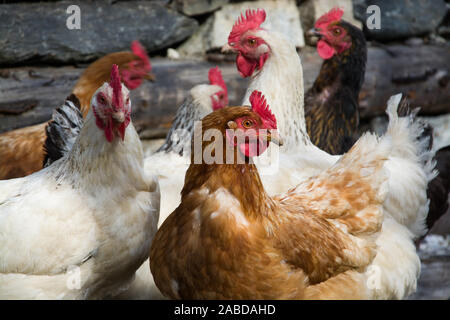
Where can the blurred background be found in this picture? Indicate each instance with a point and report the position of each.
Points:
(41, 59)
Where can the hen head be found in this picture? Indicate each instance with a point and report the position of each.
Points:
(137, 69)
(245, 38)
(219, 99)
(112, 107)
(333, 34)
(247, 131)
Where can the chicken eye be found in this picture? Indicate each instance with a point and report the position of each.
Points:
(337, 31)
(247, 123)
(128, 101)
(101, 99)
(251, 42)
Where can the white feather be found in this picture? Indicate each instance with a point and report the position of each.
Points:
(90, 215)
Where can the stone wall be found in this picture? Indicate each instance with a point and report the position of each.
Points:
(35, 32)
(41, 59)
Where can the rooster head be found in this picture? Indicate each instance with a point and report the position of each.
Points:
(333, 34)
(219, 99)
(245, 39)
(248, 130)
(138, 69)
(112, 107)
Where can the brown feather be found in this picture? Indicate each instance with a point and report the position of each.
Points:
(20, 154)
(229, 240)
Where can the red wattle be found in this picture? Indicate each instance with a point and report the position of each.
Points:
(245, 66)
(215, 104)
(121, 130)
(253, 148)
(109, 134)
(262, 60)
(325, 50)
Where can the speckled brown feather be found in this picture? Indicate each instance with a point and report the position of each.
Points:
(19, 151)
(347, 197)
(22, 150)
(349, 285)
(229, 240)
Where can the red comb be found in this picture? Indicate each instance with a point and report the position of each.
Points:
(116, 85)
(333, 15)
(260, 106)
(215, 77)
(139, 50)
(252, 20)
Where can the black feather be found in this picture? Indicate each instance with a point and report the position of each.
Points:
(62, 130)
(331, 104)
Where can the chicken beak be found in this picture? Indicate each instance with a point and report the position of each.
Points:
(276, 138)
(227, 48)
(150, 76)
(118, 117)
(314, 32)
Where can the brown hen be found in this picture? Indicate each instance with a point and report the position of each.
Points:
(22, 150)
(229, 239)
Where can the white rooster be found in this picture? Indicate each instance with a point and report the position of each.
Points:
(80, 228)
(275, 69)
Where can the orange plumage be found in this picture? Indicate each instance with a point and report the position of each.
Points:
(22, 150)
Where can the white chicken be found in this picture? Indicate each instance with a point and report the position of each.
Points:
(80, 228)
(275, 69)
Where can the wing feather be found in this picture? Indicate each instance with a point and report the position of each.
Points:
(334, 218)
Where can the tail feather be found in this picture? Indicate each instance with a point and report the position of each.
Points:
(411, 167)
(438, 187)
(412, 138)
(62, 130)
